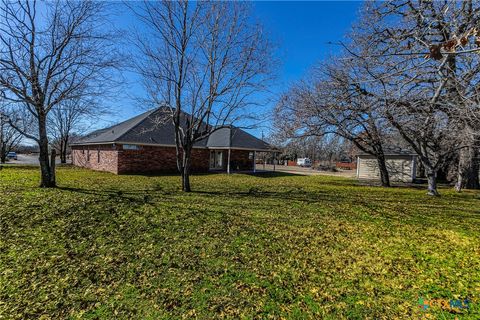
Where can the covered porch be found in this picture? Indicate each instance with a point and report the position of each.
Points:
(231, 160)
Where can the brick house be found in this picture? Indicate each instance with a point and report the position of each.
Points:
(144, 145)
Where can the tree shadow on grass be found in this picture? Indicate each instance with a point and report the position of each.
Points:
(269, 174)
(143, 195)
(259, 174)
(288, 195)
(418, 185)
(382, 205)
(136, 196)
(294, 194)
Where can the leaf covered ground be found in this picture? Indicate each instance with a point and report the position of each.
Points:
(269, 246)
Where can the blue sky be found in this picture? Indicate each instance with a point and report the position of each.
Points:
(302, 31)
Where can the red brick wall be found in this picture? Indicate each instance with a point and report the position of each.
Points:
(150, 159)
(89, 156)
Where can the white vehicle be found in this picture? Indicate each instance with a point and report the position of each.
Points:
(304, 162)
(12, 156)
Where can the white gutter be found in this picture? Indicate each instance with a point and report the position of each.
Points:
(228, 162)
(170, 145)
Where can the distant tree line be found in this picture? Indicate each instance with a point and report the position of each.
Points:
(409, 70)
(323, 151)
(55, 57)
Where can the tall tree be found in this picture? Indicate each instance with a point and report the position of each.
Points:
(468, 119)
(9, 136)
(469, 161)
(331, 101)
(204, 61)
(420, 67)
(67, 119)
(51, 52)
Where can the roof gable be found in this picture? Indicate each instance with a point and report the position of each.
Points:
(113, 133)
(149, 128)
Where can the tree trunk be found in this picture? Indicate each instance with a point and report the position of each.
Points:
(432, 182)
(186, 180)
(420, 170)
(3, 156)
(3, 153)
(468, 169)
(63, 149)
(186, 158)
(52, 166)
(382, 167)
(48, 176)
(61, 152)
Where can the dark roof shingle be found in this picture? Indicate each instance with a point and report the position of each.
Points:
(153, 128)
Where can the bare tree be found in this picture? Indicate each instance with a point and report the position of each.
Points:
(331, 101)
(68, 119)
(469, 161)
(9, 136)
(467, 116)
(51, 52)
(421, 52)
(203, 61)
(293, 148)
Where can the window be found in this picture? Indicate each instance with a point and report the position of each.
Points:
(131, 147)
(216, 159)
(98, 155)
(83, 150)
(212, 159)
(250, 155)
(219, 159)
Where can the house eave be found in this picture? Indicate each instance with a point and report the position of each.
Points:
(170, 145)
(242, 148)
(389, 154)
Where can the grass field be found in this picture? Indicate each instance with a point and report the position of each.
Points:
(269, 246)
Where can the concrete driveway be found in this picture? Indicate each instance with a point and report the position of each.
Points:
(308, 171)
(28, 160)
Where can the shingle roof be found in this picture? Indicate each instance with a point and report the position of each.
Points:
(113, 133)
(153, 128)
(235, 138)
(392, 150)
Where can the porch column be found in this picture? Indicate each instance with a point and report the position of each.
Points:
(254, 161)
(358, 166)
(228, 162)
(274, 158)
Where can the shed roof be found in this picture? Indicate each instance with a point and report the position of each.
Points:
(393, 151)
(154, 128)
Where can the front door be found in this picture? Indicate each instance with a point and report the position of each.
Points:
(216, 160)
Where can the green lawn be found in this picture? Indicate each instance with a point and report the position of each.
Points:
(270, 246)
